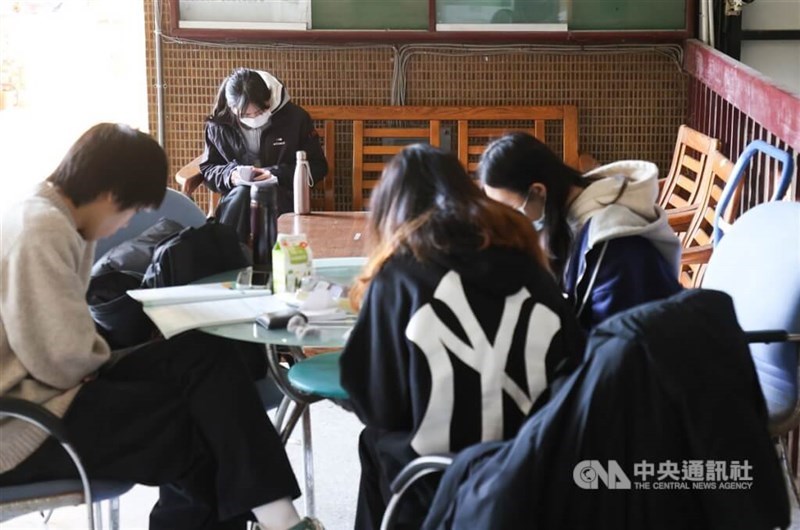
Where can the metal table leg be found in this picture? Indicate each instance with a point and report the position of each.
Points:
(301, 409)
(308, 462)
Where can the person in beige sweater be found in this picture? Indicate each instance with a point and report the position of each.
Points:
(182, 414)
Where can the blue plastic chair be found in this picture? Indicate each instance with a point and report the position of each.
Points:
(758, 264)
(175, 206)
(49, 495)
(737, 173)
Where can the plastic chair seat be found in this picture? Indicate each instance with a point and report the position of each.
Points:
(101, 490)
(51, 494)
(777, 375)
(318, 376)
(758, 264)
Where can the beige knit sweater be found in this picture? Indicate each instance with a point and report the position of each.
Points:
(48, 342)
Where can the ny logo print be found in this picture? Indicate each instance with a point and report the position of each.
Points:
(435, 340)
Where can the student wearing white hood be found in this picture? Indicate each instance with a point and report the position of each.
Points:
(609, 243)
(254, 123)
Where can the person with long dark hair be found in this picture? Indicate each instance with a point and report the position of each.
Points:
(607, 240)
(461, 330)
(182, 414)
(254, 125)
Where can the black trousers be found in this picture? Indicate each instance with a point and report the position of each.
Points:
(379, 465)
(182, 414)
(234, 210)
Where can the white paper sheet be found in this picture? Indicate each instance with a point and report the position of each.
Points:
(191, 293)
(172, 319)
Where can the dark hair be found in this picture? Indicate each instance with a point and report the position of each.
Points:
(518, 160)
(240, 89)
(426, 205)
(112, 157)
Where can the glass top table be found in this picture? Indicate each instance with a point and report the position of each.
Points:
(339, 270)
(282, 347)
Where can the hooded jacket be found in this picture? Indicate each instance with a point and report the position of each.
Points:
(670, 383)
(625, 252)
(290, 129)
(455, 351)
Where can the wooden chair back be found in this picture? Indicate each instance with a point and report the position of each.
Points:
(373, 134)
(189, 179)
(698, 240)
(378, 133)
(682, 184)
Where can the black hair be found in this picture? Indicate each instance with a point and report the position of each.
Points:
(238, 91)
(115, 158)
(426, 205)
(518, 160)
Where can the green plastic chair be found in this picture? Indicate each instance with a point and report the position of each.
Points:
(318, 377)
(310, 380)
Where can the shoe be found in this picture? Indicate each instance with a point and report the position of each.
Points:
(308, 523)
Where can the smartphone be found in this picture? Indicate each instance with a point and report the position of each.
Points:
(260, 280)
(251, 278)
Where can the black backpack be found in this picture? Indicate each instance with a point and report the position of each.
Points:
(119, 318)
(135, 254)
(195, 253)
(164, 255)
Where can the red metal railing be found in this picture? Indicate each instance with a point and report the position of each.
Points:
(735, 104)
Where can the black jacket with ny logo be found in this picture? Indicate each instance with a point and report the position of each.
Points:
(449, 353)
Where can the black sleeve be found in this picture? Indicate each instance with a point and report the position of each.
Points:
(216, 169)
(374, 363)
(308, 141)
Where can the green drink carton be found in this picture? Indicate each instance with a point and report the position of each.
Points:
(291, 262)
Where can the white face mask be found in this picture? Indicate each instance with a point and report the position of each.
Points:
(258, 121)
(538, 224)
(521, 207)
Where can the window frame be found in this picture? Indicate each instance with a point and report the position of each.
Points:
(431, 35)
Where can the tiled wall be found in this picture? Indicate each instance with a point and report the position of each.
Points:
(631, 101)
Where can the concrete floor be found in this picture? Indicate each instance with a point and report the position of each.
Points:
(335, 439)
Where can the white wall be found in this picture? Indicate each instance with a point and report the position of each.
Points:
(779, 60)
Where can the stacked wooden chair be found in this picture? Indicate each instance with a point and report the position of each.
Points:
(681, 190)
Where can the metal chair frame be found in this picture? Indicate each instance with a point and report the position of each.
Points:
(44, 420)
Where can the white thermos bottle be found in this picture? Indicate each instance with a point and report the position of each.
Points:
(302, 184)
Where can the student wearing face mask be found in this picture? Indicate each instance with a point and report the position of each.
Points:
(254, 124)
(608, 242)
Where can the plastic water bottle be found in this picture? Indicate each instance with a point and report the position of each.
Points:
(302, 185)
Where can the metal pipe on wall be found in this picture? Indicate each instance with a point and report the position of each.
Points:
(710, 21)
(159, 72)
(703, 34)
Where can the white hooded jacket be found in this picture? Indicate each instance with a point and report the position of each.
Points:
(623, 203)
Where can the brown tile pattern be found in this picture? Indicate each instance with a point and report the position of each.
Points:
(630, 104)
